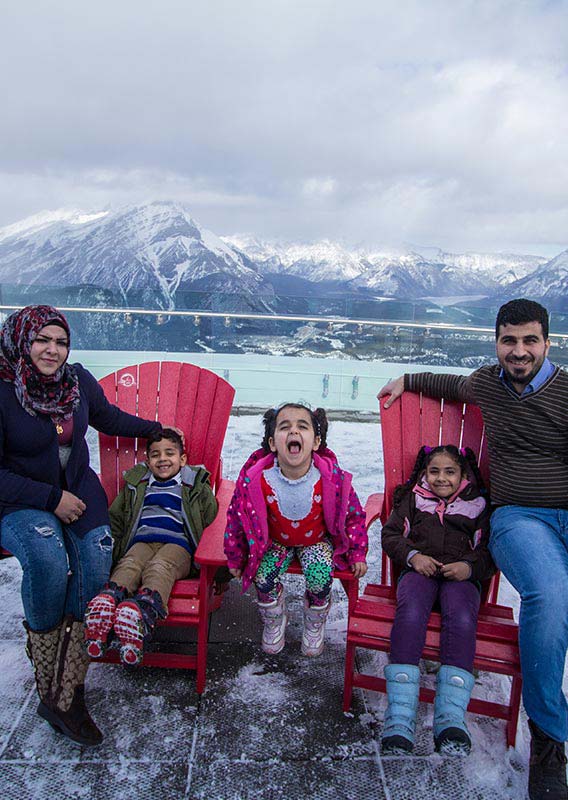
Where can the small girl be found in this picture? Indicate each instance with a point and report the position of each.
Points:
(437, 535)
(292, 498)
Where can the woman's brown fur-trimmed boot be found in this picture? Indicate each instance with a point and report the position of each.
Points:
(41, 648)
(65, 708)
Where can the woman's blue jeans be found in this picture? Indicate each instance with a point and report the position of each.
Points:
(61, 572)
(530, 547)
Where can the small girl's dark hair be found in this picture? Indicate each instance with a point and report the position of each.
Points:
(165, 433)
(317, 416)
(465, 458)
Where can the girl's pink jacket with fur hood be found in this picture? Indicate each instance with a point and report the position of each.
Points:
(246, 536)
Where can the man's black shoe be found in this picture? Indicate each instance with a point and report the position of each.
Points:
(547, 770)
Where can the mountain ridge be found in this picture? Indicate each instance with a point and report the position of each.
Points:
(159, 252)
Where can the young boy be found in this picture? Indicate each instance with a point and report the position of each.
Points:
(156, 522)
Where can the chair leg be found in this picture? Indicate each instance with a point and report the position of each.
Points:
(514, 706)
(348, 680)
(203, 627)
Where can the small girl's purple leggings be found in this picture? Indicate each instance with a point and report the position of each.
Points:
(459, 607)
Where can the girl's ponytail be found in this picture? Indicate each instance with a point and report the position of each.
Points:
(320, 423)
(419, 466)
(470, 460)
(269, 422)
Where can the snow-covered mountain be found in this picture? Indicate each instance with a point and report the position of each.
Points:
(153, 254)
(318, 262)
(412, 273)
(155, 249)
(502, 268)
(550, 282)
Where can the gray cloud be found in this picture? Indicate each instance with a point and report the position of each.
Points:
(442, 123)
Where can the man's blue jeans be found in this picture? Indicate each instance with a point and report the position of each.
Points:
(61, 572)
(530, 547)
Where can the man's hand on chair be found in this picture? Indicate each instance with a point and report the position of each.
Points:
(393, 388)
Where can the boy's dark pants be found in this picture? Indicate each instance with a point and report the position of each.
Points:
(459, 607)
(152, 565)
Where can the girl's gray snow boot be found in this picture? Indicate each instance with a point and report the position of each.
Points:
(403, 687)
(453, 691)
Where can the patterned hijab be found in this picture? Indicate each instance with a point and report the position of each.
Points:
(55, 395)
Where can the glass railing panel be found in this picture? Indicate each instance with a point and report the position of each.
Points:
(334, 362)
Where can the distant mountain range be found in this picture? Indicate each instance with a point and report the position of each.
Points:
(414, 273)
(156, 255)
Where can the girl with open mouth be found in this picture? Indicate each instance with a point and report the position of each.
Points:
(293, 500)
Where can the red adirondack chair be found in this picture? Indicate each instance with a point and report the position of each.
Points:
(199, 403)
(413, 421)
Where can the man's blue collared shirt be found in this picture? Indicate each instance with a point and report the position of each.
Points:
(539, 379)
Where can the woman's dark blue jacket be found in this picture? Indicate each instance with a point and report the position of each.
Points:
(30, 473)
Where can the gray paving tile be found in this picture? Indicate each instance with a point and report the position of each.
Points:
(265, 706)
(452, 778)
(146, 715)
(287, 780)
(101, 781)
(12, 612)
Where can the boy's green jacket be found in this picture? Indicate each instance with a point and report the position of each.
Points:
(199, 506)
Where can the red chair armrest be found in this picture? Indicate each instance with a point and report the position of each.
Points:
(210, 549)
(373, 507)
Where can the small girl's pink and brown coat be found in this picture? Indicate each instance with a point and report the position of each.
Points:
(246, 535)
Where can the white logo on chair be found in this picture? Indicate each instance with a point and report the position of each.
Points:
(127, 380)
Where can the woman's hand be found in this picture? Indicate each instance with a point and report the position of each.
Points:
(425, 565)
(179, 431)
(456, 571)
(358, 569)
(70, 508)
(236, 573)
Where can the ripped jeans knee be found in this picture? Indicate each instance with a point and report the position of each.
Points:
(90, 559)
(44, 530)
(105, 541)
(37, 540)
(61, 572)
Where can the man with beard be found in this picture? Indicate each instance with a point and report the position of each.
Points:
(524, 402)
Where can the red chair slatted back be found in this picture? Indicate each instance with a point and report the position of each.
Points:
(191, 398)
(415, 420)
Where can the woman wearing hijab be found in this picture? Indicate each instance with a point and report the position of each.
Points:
(53, 509)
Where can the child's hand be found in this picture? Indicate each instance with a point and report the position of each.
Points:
(236, 573)
(358, 569)
(425, 565)
(456, 571)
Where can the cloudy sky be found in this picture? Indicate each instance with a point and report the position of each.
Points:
(385, 123)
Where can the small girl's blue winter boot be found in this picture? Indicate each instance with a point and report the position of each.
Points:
(403, 687)
(453, 691)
